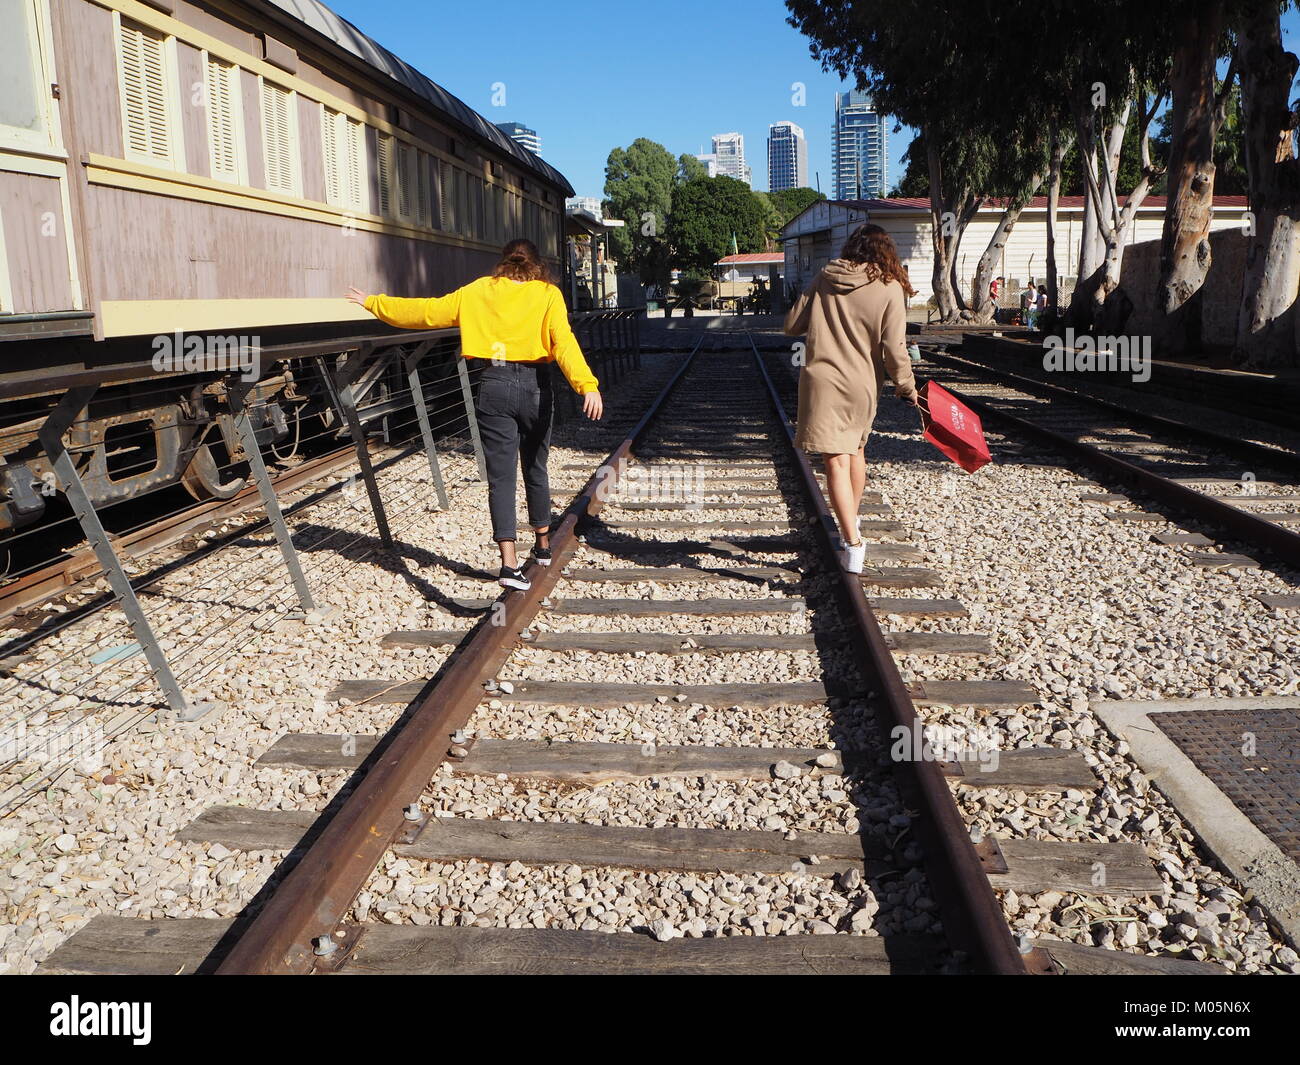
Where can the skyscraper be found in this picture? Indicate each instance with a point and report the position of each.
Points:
(521, 134)
(787, 157)
(859, 148)
(729, 156)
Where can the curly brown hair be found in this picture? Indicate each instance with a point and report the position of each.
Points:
(874, 248)
(521, 261)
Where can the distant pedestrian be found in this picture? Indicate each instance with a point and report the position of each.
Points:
(856, 322)
(995, 294)
(1040, 306)
(515, 320)
(1028, 301)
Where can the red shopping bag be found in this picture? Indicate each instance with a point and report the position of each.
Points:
(953, 428)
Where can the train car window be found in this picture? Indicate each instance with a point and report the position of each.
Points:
(24, 86)
(343, 142)
(148, 83)
(225, 122)
(280, 139)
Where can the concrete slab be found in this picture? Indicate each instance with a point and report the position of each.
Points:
(1240, 847)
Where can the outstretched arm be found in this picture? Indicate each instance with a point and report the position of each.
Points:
(434, 312)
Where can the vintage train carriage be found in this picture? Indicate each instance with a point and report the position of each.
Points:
(224, 168)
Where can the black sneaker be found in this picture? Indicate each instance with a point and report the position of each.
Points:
(514, 578)
(541, 555)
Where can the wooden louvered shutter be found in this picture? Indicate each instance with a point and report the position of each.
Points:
(423, 197)
(385, 174)
(223, 126)
(329, 133)
(277, 133)
(144, 92)
(405, 172)
(354, 173)
(446, 210)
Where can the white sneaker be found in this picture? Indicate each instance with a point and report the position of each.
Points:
(854, 556)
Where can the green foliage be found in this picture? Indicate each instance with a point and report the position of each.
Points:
(639, 184)
(689, 168)
(706, 212)
(791, 202)
(1230, 178)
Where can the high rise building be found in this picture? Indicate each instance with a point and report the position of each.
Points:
(729, 156)
(521, 134)
(787, 157)
(859, 148)
(710, 162)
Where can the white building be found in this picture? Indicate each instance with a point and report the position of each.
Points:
(815, 236)
(589, 204)
(729, 156)
(710, 162)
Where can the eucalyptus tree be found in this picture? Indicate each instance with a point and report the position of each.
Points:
(1266, 321)
(920, 60)
(1199, 108)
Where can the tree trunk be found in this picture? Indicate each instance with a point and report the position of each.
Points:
(1265, 329)
(1053, 202)
(1185, 241)
(944, 234)
(983, 309)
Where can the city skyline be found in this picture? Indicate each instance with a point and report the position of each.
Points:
(581, 119)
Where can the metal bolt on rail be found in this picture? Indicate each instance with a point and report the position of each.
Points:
(324, 946)
(412, 812)
(459, 737)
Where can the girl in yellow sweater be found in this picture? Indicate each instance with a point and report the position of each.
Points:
(517, 321)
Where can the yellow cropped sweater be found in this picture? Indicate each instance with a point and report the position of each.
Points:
(518, 321)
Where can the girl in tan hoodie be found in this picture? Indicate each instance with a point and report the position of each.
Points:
(855, 316)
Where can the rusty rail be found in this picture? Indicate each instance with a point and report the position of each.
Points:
(952, 863)
(1253, 529)
(316, 894)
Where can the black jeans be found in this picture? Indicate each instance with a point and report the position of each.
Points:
(514, 422)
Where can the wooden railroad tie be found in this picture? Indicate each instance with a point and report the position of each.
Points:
(718, 607)
(1028, 769)
(979, 694)
(1031, 865)
(114, 945)
(945, 643)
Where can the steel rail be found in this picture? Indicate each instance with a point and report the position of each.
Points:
(317, 892)
(1241, 524)
(953, 866)
(1279, 456)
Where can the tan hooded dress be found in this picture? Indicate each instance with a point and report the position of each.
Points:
(857, 335)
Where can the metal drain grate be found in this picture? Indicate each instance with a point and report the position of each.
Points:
(1253, 757)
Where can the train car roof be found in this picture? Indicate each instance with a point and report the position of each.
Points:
(339, 30)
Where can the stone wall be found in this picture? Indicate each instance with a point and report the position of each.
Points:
(1220, 298)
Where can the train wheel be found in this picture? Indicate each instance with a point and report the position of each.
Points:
(203, 479)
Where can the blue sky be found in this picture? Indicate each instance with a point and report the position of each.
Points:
(591, 76)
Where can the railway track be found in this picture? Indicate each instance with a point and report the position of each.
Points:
(1238, 490)
(690, 731)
